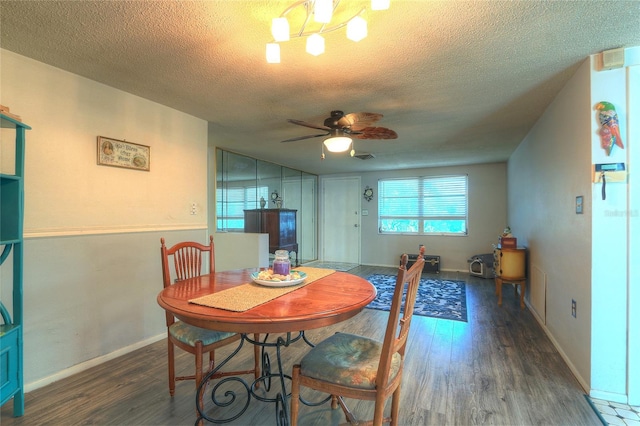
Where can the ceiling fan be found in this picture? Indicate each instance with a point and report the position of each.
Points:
(341, 128)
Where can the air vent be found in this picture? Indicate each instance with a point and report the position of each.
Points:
(365, 156)
(613, 58)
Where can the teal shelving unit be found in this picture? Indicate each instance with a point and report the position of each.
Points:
(11, 224)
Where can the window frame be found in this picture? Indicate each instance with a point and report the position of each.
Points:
(421, 199)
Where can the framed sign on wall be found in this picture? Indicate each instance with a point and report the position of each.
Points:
(117, 153)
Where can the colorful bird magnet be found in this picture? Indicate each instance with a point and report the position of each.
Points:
(609, 128)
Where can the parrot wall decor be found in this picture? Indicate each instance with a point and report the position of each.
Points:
(609, 128)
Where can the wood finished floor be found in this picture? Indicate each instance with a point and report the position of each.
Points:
(499, 368)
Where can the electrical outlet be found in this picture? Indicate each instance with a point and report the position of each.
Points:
(193, 208)
(573, 308)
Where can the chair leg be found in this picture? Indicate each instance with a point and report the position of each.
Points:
(378, 411)
(295, 394)
(198, 375)
(395, 406)
(212, 360)
(172, 367)
(256, 357)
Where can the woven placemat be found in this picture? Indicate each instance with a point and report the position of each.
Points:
(249, 295)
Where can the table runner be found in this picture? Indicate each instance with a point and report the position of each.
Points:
(249, 295)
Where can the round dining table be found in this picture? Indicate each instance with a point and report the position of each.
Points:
(325, 301)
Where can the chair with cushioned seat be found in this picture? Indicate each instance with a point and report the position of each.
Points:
(188, 263)
(350, 366)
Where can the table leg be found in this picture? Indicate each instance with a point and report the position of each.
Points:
(230, 397)
(281, 397)
(522, 283)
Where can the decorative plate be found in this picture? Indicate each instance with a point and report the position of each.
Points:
(273, 283)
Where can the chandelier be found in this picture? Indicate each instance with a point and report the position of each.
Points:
(321, 12)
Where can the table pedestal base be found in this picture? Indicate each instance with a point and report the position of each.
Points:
(222, 397)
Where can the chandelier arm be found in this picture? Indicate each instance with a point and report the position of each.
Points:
(294, 5)
(324, 29)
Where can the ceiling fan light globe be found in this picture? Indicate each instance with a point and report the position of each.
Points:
(338, 144)
(357, 29)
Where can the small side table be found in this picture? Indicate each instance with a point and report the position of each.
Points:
(522, 282)
(510, 267)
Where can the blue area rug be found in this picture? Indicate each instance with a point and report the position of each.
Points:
(436, 298)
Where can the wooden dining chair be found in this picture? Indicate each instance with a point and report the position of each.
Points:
(351, 366)
(189, 261)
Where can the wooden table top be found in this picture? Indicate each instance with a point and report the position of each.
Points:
(326, 301)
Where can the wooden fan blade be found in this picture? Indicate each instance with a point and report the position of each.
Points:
(359, 120)
(304, 137)
(375, 133)
(305, 124)
(352, 132)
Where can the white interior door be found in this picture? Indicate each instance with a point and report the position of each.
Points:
(341, 220)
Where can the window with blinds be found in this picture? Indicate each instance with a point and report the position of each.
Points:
(230, 213)
(424, 205)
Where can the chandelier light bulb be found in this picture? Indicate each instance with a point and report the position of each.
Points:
(357, 29)
(380, 4)
(322, 11)
(280, 29)
(315, 44)
(273, 53)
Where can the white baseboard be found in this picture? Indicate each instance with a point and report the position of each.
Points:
(78, 368)
(554, 342)
(609, 396)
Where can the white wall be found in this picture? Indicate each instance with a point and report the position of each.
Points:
(92, 233)
(610, 273)
(487, 219)
(237, 250)
(546, 172)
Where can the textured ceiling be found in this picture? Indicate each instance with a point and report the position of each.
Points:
(460, 82)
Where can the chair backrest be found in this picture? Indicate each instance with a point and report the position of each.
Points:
(395, 338)
(187, 260)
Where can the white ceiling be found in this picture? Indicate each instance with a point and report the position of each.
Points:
(461, 82)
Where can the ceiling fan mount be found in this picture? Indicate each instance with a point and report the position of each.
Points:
(333, 122)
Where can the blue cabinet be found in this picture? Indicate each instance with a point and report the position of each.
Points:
(11, 220)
